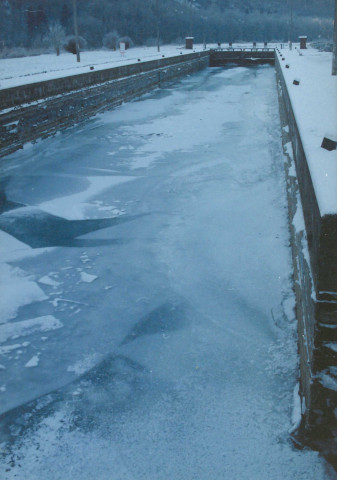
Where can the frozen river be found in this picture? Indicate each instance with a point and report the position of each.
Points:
(147, 321)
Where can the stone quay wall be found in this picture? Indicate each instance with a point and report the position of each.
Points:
(314, 250)
(242, 56)
(37, 110)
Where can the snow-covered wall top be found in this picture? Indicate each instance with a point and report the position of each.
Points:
(35, 91)
(22, 71)
(314, 103)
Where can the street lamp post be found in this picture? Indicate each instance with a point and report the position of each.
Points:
(334, 51)
(76, 31)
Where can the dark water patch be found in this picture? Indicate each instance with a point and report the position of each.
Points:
(35, 189)
(5, 204)
(169, 317)
(39, 229)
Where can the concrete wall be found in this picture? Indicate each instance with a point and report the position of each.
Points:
(316, 311)
(38, 110)
(17, 96)
(239, 56)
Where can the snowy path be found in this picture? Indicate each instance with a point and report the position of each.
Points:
(153, 331)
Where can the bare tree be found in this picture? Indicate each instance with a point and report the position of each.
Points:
(76, 31)
(156, 12)
(56, 36)
(334, 53)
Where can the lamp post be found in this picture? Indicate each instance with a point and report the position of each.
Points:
(334, 51)
(76, 31)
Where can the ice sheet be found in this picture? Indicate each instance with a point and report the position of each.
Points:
(180, 360)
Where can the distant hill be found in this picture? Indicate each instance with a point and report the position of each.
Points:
(301, 7)
(27, 23)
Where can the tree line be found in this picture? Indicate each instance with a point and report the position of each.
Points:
(30, 23)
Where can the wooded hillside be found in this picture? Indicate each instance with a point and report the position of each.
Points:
(27, 23)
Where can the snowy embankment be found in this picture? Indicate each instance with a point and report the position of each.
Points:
(20, 71)
(314, 103)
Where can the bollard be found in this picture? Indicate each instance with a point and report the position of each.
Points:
(189, 43)
(303, 42)
(329, 144)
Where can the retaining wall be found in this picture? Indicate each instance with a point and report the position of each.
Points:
(314, 250)
(38, 110)
(242, 56)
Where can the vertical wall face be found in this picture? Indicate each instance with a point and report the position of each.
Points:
(314, 248)
(240, 56)
(303, 280)
(39, 110)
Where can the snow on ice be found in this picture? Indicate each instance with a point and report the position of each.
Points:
(33, 362)
(187, 364)
(14, 330)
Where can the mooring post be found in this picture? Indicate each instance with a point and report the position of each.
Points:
(303, 42)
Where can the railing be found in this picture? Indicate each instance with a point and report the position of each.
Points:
(243, 49)
(242, 56)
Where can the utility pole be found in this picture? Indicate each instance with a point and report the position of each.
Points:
(76, 31)
(334, 51)
(291, 27)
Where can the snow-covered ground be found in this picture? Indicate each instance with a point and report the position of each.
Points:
(148, 307)
(19, 71)
(314, 103)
